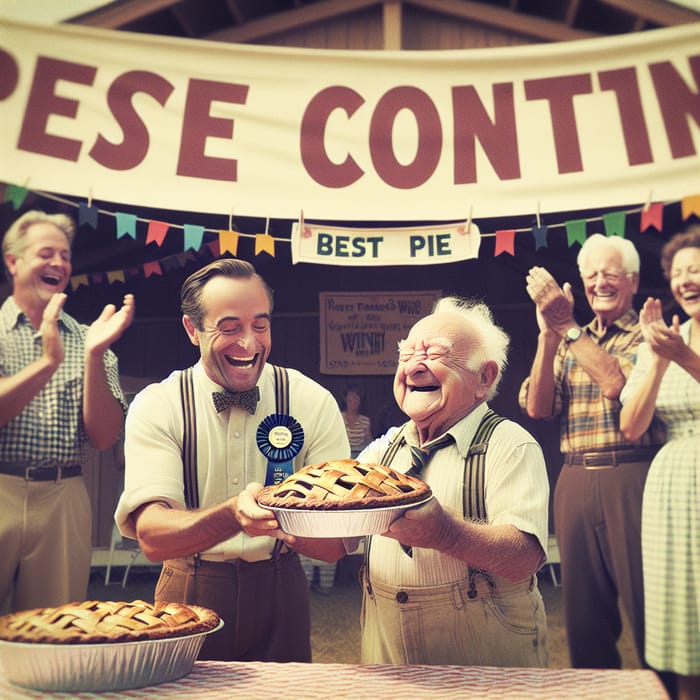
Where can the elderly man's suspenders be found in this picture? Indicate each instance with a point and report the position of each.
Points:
(473, 501)
(189, 436)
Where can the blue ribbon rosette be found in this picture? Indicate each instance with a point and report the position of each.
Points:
(279, 438)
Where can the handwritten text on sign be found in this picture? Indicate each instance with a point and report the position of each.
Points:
(360, 331)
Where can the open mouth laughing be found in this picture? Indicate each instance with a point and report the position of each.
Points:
(242, 362)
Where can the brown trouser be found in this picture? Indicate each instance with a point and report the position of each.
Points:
(264, 605)
(598, 520)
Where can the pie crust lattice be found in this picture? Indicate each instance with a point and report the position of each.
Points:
(93, 621)
(344, 484)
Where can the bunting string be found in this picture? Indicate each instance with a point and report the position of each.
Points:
(222, 241)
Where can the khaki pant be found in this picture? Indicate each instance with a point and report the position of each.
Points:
(505, 626)
(45, 542)
(264, 605)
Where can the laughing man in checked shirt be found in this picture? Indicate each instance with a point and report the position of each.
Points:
(59, 390)
(577, 375)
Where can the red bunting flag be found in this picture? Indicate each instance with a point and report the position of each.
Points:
(505, 242)
(152, 268)
(157, 231)
(652, 216)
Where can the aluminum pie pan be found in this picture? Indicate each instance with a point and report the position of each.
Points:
(355, 522)
(100, 667)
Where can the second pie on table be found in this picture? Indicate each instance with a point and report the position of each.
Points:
(344, 484)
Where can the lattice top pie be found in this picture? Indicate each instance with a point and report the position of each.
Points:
(96, 622)
(344, 484)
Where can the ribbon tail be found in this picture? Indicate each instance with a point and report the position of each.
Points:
(277, 472)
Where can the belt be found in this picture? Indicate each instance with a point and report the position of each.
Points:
(609, 459)
(39, 473)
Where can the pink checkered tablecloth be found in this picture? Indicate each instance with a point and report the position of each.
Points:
(218, 680)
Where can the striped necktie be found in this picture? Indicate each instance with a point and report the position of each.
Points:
(419, 458)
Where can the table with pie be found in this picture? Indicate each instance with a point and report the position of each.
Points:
(219, 680)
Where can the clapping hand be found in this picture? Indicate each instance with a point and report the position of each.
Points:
(664, 340)
(50, 337)
(555, 304)
(110, 324)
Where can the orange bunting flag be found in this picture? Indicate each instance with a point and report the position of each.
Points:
(614, 223)
(228, 242)
(79, 281)
(157, 230)
(152, 268)
(115, 276)
(264, 243)
(652, 215)
(690, 206)
(505, 242)
(575, 231)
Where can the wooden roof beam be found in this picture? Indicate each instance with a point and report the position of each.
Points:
(116, 15)
(663, 13)
(285, 21)
(517, 22)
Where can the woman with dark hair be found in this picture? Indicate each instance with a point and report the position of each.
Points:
(357, 425)
(666, 382)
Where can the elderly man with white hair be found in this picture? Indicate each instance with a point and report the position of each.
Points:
(577, 375)
(454, 581)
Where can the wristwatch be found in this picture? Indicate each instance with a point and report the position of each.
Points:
(573, 334)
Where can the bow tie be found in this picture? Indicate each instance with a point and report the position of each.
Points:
(245, 399)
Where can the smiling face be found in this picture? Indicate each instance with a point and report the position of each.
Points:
(433, 384)
(685, 280)
(41, 268)
(609, 289)
(236, 340)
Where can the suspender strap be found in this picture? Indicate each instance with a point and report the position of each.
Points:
(281, 390)
(189, 440)
(474, 504)
(189, 437)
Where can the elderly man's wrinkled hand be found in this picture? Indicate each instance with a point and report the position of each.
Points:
(421, 527)
(555, 304)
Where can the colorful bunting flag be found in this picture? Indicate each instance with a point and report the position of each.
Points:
(690, 206)
(614, 223)
(87, 214)
(575, 231)
(157, 231)
(264, 243)
(652, 215)
(115, 276)
(540, 235)
(152, 268)
(16, 195)
(126, 224)
(79, 281)
(193, 236)
(228, 242)
(505, 242)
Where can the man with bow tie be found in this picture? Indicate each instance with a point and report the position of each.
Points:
(197, 451)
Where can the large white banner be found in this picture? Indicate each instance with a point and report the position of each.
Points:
(350, 135)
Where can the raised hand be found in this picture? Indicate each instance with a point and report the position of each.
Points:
(52, 345)
(109, 326)
(664, 340)
(555, 305)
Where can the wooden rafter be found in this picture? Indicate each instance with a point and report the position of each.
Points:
(517, 22)
(287, 20)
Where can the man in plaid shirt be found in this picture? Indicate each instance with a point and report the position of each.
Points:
(577, 375)
(59, 390)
